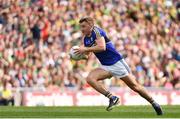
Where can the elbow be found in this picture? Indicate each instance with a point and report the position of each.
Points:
(102, 48)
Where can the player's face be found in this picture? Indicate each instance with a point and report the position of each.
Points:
(85, 28)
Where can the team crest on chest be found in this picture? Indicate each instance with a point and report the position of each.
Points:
(89, 41)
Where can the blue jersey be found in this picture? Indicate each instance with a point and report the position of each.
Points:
(108, 57)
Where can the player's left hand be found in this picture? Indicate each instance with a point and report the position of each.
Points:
(80, 50)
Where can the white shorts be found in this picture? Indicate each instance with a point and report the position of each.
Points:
(119, 69)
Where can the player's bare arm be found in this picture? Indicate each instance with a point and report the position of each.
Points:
(81, 49)
(99, 47)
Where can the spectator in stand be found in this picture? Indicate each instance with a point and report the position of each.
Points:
(36, 35)
(6, 97)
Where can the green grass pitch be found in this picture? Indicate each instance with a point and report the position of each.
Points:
(88, 112)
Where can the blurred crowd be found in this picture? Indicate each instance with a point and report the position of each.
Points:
(36, 35)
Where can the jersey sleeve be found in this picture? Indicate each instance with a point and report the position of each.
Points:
(99, 32)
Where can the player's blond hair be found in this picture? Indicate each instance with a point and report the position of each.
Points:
(87, 19)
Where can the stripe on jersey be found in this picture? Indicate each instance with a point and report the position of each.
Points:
(97, 32)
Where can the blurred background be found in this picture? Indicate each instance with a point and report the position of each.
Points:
(36, 35)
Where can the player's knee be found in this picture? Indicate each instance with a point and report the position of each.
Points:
(90, 79)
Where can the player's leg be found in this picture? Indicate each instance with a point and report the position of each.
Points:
(122, 70)
(96, 75)
(132, 83)
(93, 80)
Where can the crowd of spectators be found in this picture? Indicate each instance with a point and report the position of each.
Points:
(36, 35)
